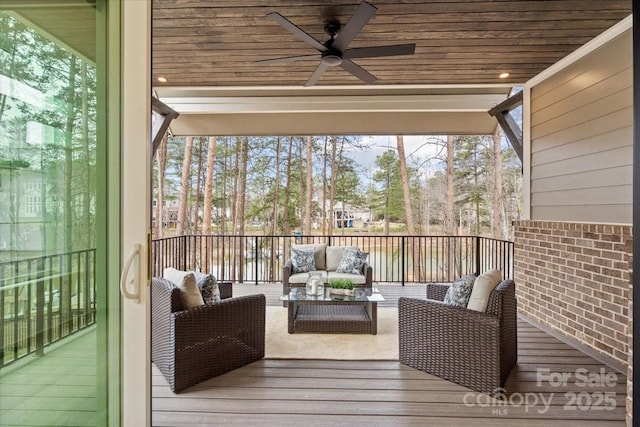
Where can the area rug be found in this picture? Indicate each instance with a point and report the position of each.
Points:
(282, 345)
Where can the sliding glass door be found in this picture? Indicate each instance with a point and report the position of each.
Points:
(63, 218)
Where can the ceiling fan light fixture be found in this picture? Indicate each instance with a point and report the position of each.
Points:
(332, 59)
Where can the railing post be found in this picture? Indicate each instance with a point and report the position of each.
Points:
(477, 255)
(40, 308)
(2, 297)
(185, 250)
(255, 257)
(402, 269)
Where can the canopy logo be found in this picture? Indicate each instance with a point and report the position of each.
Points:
(593, 394)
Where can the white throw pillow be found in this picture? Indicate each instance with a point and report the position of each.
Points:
(186, 282)
(482, 288)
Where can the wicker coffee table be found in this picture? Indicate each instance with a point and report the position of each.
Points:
(333, 314)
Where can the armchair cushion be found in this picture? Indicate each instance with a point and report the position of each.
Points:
(482, 288)
(352, 261)
(302, 260)
(460, 290)
(186, 282)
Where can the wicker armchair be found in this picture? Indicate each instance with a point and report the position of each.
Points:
(471, 348)
(190, 346)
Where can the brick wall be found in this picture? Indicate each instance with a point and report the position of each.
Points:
(575, 278)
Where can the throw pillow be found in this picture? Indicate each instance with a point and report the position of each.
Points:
(318, 253)
(208, 287)
(334, 256)
(352, 261)
(482, 288)
(460, 290)
(302, 260)
(186, 282)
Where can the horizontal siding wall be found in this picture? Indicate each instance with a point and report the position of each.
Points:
(581, 139)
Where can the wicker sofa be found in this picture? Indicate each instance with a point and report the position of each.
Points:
(474, 349)
(326, 260)
(190, 346)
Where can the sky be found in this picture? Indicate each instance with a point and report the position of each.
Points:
(415, 146)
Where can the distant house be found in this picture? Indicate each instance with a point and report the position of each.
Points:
(346, 215)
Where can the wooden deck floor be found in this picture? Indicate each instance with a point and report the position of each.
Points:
(351, 393)
(57, 389)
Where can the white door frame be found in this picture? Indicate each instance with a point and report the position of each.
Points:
(136, 120)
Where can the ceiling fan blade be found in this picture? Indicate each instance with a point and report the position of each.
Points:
(359, 19)
(297, 32)
(358, 71)
(321, 68)
(289, 59)
(377, 51)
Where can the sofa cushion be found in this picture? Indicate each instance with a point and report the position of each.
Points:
(357, 279)
(302, 260)
(318, 253)
(301, 278)
(186, 282)
(208, 287)
(352, 261)
(460, 290)
(334, 256)
(482, 288)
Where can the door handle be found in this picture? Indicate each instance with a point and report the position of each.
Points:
(135, 281)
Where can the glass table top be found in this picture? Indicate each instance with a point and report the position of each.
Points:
(360, 294)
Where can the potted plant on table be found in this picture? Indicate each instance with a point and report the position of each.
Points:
(341, 287)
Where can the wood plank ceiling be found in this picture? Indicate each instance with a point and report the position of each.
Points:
(217, 43)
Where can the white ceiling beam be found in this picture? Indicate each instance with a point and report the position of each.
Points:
(309, 104)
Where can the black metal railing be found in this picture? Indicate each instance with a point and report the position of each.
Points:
(44, 299)
(395, 259)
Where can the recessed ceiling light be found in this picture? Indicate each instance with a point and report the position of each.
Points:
(162, 79)
(502, 75)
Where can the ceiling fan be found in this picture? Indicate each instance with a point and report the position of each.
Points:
(334, 52)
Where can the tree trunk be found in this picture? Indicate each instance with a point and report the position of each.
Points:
(324, 188)
(234, 195)
(207, 203)
(208, 186)
(309, 189)
(276, 191)
(332, 184)
(242, 184)
(411, 229)
(301, 187)
(337, 176)
(449, 214)
(182, 225)
(68, 158)
(223, 204)
(286, 228)
(196, 207)
(274, 215)
(497, 218)
(86, 197)
(161, 158)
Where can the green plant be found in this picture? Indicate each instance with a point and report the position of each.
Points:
(341, 283)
